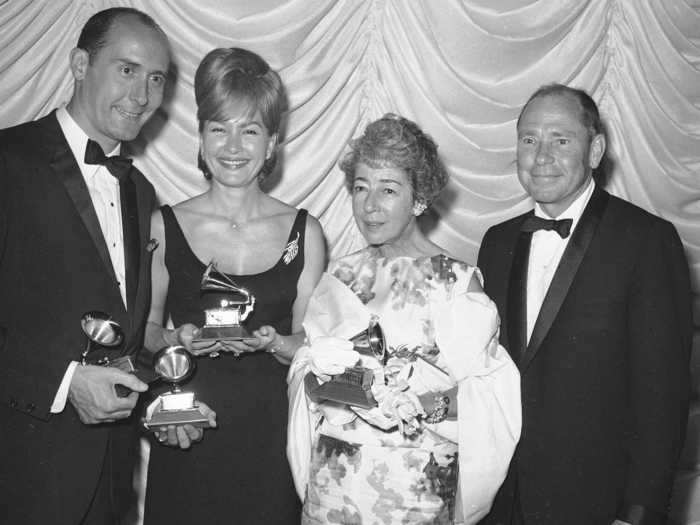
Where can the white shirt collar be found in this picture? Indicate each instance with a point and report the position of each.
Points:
(575, 209)
(77, 140)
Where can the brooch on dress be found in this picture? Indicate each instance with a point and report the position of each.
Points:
(291, 250)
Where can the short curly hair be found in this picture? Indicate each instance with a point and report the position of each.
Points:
(228, 75)
(396, 142)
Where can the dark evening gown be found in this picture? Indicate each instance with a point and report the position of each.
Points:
(239, 472)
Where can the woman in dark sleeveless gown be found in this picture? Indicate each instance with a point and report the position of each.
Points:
(238, 472)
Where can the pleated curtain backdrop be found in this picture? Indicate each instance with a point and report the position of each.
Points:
(461, 69)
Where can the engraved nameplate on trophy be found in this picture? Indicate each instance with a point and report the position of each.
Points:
(354, 386)
(230, 305)
(174, 364)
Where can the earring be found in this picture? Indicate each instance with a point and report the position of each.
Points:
(419, 208)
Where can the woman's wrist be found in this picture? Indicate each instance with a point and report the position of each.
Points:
(277, 345)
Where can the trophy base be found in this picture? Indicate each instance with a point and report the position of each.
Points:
(176, 409)
(353, 387)
(163, 418)
(222, 333)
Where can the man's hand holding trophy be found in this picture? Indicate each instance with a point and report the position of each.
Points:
(103, 383)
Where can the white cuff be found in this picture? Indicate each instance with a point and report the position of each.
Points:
(59, 402)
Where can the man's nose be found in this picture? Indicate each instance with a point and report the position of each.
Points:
(139, 92)
(543, 154)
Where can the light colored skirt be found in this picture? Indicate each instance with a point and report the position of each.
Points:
(367, 484)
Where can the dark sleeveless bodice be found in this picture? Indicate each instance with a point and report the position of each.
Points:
(239, 472)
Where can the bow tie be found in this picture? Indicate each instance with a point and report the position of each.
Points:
(117, 165)
(534, 223)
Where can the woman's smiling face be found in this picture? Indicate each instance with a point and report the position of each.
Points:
(235, 150)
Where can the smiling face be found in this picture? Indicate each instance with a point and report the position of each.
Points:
(119, 89)
(235, 150)
(556, 154)
(382, 203)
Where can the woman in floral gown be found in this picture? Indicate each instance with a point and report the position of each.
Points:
(437, 445)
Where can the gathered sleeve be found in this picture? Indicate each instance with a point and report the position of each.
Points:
(488, 395)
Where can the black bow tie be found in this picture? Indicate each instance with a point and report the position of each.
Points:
(117, 165)
(534, 223)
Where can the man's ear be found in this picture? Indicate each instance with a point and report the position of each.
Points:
(596, 151)
(79, 62)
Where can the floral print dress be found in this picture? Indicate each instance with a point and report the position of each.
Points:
(361, 474)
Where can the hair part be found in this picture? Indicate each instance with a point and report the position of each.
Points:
(231, 77)
(95, 32)
(396, 142)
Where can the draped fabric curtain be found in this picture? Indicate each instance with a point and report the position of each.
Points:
(461, 68)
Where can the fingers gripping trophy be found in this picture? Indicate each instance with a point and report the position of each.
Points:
(352, 386)
(230, 306)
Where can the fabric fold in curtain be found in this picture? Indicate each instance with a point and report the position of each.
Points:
(461, 68)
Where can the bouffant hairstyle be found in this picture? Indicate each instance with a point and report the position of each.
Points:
(228, 76)
(396, 142)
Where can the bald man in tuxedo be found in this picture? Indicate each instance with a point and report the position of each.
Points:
(74, 237)
(594, 295)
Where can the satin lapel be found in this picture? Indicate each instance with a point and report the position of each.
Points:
(566, 271)
(144, 207)
(517, 297)
(66, 168)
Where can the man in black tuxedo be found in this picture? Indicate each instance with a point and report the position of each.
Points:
(596, 313)
(74, 237)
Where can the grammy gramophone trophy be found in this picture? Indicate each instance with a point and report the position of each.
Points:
(104, 333)
(229, 305)
(354, 386)
(174, 364)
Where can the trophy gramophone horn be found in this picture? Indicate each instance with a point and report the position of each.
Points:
(214, 280)
(173, 364)
(371, 341)
(101, 329)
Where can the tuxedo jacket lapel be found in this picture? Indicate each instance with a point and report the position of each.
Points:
(144, 210)
(131, 238)
(566, 272)
(66, 168)
(517, 297)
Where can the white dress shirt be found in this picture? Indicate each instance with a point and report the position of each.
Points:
(546, 250)
(104, 193)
